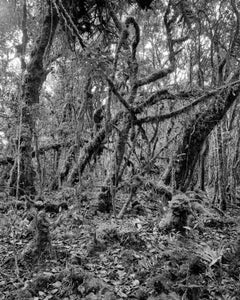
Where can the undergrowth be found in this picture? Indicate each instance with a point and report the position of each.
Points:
(140, 256)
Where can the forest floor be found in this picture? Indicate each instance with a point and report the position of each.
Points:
(96, 256)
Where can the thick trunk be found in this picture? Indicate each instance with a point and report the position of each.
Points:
(195, 135)
(22, 175)
(233, 170)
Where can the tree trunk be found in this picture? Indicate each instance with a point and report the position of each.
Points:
(221, 169)
(119, 152)
(22, 174)
(196, 133)
(201, 171)
(215, 169)
(88, 152)
(107, 195)
(233, 169)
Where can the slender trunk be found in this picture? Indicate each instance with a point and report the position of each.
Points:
(107, 194)
(215, 169)
(119, 153)
(221, 169)
(202, 161)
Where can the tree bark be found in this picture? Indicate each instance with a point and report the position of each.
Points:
(221, 169)
(201, 173)
(22, 176)
(114, 173)
(91, 149)
(196, 133)
(233, 169)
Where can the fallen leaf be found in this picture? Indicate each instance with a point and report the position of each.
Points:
(136, 282)
(57, 284)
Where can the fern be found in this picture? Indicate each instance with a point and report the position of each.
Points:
(209, 255)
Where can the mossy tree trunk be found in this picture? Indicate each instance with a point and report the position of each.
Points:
(22, 174)
(196, 134)
(221, 161)
(113, 177)
(202, 161)
(233, 169)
